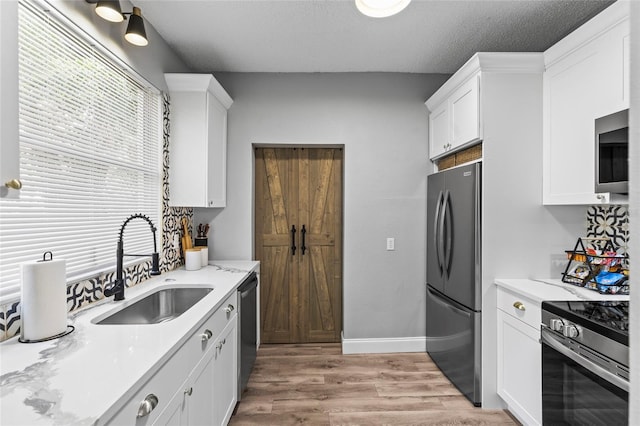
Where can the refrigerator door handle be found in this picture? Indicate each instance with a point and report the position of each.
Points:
(443, 302)
(436, 228)
(448, 242)
(441, 229)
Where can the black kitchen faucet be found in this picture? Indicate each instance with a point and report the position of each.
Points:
(117, 288)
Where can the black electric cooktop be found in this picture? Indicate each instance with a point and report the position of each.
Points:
(610, 318)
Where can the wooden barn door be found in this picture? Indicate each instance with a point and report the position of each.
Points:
(299, 243)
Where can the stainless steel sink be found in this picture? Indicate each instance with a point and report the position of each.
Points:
(160, 306)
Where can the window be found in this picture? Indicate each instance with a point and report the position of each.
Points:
(90, 138)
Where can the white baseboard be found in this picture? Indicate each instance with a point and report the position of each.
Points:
(384, 345)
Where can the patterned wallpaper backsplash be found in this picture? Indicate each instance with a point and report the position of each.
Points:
(611, 222)
(82, 293)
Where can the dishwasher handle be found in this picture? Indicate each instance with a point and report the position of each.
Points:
(248, 285)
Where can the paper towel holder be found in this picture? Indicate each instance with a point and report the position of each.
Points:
(47, 256)
(44, 256)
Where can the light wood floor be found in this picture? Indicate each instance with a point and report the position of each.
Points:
(317, 385)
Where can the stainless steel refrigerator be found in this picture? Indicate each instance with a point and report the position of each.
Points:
(454, 276)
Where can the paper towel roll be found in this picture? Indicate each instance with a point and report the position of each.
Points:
(44, 299)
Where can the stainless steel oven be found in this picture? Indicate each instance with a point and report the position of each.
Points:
(585, 363)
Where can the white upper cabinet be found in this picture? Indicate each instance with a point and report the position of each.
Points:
(456, 118)
(198, 141)
(465, 113)
(586, 77)
(9, 138)
(439, 130)
(454, 122)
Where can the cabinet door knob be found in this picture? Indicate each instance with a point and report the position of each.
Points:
(147, 405)
(219, 346)
(206, 335)
(600, 197)
(188, 391)
(13, 184)
(229, 309)
(519, 306)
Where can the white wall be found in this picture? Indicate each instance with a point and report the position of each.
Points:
(521, 237)
(381, 120)
(634, 211)
(9, 147)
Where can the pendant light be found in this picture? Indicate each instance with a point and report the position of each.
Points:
(381, 8)
(111, 11)
(135, 30)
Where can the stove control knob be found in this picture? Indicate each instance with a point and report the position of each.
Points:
(556, 324)
(570, 331)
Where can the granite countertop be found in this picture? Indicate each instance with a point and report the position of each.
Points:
(553, 289)
(84, 377)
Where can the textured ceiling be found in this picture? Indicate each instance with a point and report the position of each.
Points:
(429, 36)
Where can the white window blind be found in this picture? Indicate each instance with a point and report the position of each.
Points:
(89, 155)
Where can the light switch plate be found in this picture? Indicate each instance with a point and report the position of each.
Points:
(391, 244)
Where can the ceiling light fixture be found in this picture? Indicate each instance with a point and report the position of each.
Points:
(381, 8)
(135, 30)
(111, 11)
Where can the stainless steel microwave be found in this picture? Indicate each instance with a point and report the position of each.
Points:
(612, 153)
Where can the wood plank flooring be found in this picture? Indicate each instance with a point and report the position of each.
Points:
(317, 385)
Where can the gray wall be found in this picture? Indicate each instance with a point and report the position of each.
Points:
(381, 120)
(151, 61)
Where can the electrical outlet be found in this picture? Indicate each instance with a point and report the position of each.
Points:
(391, 244)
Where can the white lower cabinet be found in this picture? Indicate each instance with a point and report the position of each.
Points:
(198, 384)
(193, 401)
(225, 374)
(519, 356)
(208, 396)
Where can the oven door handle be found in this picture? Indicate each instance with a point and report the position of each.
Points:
(549, 339)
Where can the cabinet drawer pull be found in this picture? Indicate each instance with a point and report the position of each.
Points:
(188, 391)
(229, 309)
(147, 405)
(519, 306)
(206, 335)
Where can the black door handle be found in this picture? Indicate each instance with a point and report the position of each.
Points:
(304, 233)
(293, 240)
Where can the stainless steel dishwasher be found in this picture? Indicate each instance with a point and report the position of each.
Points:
(248, 328)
